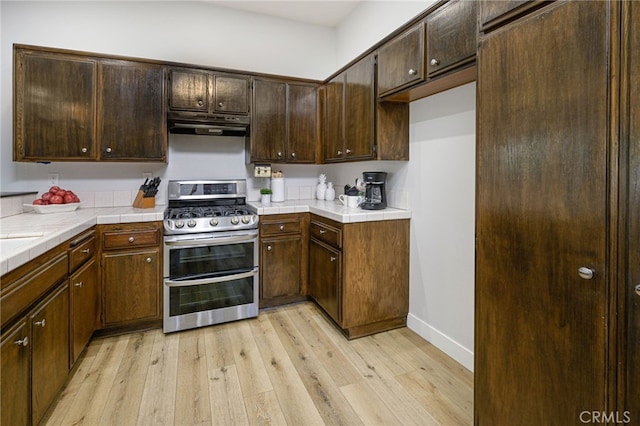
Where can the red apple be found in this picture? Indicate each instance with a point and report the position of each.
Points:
(69, 198)
(54, 189)
(37, 202)
(56, 199)
(47, 196)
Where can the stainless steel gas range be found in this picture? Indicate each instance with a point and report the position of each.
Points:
(210, 254)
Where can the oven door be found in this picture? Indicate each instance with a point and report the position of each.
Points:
(209, 279)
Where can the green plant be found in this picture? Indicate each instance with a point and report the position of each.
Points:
(264, 191)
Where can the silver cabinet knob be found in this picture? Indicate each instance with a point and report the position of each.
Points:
(348, 151)
(434, 62)
(200, 103)
(148, 260)
(131, 239)
(282, 227)
(22, 342)
(269, 248)
(279, 154)
(84, 150)
(220, 104)
(339, 152)
(86, 251)
(586, 273)
(79, 284)
(322, 231)
(40, 323)
(333, 258)
(412, 71)
(293, 155)
(638, 289)
(108, 149)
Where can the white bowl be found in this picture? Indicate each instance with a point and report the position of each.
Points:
(53, 208)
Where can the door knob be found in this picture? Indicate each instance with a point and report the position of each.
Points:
(638, 289)
(586, 273)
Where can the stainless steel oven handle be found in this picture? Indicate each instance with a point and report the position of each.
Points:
(171, 283)
(201, 242)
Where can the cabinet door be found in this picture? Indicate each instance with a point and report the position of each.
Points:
(268, 121)
(131, 283)
(231, 94)
(55, 107)
(324, 277)
(451, 36)
(493, 12)
(631, 287)
(15, 378)
(401, 61)
(189, 90)
(280, 266)
(50, 351)
(85, 307)
(334, 120)
(541, 215)
(359, 114)
(302, 123)
(131, 111)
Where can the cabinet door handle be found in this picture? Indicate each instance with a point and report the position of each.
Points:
(586, 273)
(221, 104)
(282, 227)
(333, 258)
(638, 289)
(348, 151)
(108, 149)
(322, 231)
(22, 342)
(40, 323)
(86, 251)
(131, 239)
(339, 152)
(79, 284)
(148, 260)
(269, 248)
(293, 155)
(279, 154)
(412, 71)
(434, 62)
(84, 150)
(200, 103)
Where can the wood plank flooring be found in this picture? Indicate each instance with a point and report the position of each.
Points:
(289, 366)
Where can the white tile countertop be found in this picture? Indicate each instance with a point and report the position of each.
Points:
(25, 236)
(331, 210)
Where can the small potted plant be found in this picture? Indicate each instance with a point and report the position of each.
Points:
(265, 196)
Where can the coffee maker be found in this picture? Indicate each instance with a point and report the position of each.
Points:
(375, 197)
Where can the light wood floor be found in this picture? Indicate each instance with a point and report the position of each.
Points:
(289, 366)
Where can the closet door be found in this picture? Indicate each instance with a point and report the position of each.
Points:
(541, 326)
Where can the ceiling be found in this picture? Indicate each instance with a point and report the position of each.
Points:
(327, 13)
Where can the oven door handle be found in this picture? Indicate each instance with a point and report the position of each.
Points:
(171, 283)
(210, 241)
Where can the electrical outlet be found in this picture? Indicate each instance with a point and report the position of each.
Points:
(147, 175)
(262, 170)
(53, 179)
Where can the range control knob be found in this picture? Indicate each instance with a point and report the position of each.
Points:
(235, 220)
(179, 224)
(213, 222)
(191, 223)
(246, 219)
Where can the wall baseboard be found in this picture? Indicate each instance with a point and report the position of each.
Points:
(440, 340)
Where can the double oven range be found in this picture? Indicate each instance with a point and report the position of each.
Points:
(210, 254)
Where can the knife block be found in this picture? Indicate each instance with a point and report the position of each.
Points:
(142, 202)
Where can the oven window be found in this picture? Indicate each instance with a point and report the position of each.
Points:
(205, 297)
(201, 262)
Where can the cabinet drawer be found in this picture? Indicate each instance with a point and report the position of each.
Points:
(81, 253)
(280, 227)
(133, 238)
(326, 233)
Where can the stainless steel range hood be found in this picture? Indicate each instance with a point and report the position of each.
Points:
(208, 124)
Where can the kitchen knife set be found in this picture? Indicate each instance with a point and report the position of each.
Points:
(147, 193)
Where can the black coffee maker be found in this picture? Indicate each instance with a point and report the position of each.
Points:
(375, 197)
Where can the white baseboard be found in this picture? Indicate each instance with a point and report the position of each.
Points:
(443, 342)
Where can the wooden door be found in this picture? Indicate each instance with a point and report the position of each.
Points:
(360, 109)
(15, 353)
(55, 107)
(85, 307)
(131, 111)
(334, 121)
(281, 267)
(231, 94)
(189, 90)
(50, 351)
(540, 354)
(131, 286)
(324, 277)
(302, 123)
(631, 285)
(268, 121)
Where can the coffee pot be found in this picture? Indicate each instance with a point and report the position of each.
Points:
(375, 197)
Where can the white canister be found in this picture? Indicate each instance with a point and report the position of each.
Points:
(277, 190)
(330, 193)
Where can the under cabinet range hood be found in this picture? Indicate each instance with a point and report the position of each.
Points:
(193, 123)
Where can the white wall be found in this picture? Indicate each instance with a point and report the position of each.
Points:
(437, 184)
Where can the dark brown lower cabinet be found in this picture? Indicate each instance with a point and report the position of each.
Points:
(325, 283)
(15, 389)
(85, 306)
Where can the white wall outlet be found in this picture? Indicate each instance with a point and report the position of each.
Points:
(147, 175)
(262, 170)
(53, 179)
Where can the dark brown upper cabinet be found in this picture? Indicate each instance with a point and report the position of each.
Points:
(208, 92)
(71, 106)
(493, 13)
(401, 61)
(451, 37)
(284, 121)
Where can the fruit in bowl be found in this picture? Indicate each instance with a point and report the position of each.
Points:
(56, 195)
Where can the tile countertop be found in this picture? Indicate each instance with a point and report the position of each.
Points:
(331, 210)
(25, 236)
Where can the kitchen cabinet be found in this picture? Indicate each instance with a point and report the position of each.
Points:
(401, 61)
(546, 206)
(451, 37)
(50, 350)
(74, 106)
(359, 273)
(284, 122)
(204, 91)
(15, 359)
(131, 111)
(284, 242)
(492, 13)
(356, 125)
(131, 274)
